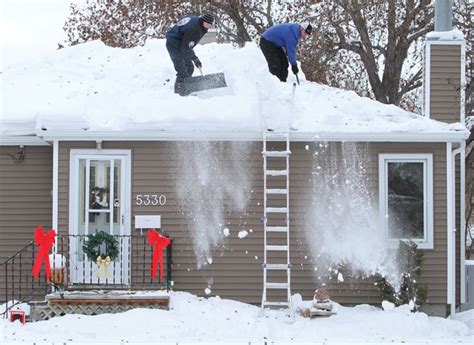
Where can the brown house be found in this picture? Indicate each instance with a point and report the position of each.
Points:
(221, 200)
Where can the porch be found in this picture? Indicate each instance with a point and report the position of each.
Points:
(79, 285)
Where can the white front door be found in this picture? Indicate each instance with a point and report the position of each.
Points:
(99, 202)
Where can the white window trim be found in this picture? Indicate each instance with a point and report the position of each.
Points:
(427, 160)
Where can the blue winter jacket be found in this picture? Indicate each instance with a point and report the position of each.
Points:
(285, 36)
(185, 35)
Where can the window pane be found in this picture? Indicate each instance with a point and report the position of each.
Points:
(116, 200)
(405, 200)
(99, 188)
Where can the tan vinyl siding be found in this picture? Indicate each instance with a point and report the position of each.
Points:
(236, 270)
(25, 196)
(445, 80)
(25, 203)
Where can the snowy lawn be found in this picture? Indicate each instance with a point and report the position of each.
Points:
(193, 319)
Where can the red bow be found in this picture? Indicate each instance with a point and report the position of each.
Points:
(45, 242)
(160, 242)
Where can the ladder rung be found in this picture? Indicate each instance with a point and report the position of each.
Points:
(277, 285)
(277, 228)
(276, 266)
(277, 209)
(277, 191)
(277, 248)
(276, 304)
(276, 153)
(277, 172)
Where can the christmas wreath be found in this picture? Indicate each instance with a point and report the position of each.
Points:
(101, 244)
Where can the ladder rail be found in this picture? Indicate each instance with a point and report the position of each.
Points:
(276, 228)
(264, 294)
(288, 212)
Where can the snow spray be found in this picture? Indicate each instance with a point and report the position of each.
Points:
(343, 224)
(213, 177)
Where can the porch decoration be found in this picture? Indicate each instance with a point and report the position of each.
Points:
(99, 198)
(159, 242)
(102, 248)
(101, 244)
(44, 241)
(58, 264)
(103, 267)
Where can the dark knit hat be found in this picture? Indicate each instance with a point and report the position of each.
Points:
(208, 18)
(307, 28)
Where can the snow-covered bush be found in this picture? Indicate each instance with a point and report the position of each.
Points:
(410, 262)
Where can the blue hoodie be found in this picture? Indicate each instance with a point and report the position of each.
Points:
(285, 36)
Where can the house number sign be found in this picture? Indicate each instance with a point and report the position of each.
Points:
(150, 199)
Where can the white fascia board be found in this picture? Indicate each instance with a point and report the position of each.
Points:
(22, 140)
(454, 136)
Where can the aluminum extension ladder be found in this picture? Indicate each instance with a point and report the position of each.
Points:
(272, 224)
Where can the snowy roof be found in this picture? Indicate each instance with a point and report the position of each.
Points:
(92, 90)
(451, 35)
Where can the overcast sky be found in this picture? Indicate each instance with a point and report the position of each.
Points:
(32, 25)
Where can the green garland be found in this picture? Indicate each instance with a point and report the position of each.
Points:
(92, 247)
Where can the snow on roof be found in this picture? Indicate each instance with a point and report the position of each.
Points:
(452, 35)
(102, 89)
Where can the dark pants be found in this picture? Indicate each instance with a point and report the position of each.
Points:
(184, 67)
(276, 59)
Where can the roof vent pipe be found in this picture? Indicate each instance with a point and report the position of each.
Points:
(443, 15)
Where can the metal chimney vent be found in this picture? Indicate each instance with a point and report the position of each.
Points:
(443, 15)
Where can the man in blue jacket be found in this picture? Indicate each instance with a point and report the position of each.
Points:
(180, 41)
(278, 45)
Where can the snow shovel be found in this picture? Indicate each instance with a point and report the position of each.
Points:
(204, 82)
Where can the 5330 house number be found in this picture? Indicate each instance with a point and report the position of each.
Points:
(147, 200)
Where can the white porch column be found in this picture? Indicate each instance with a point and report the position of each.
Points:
(55, 191)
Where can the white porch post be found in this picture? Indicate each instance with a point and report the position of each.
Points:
(55, 191)
(462, 207)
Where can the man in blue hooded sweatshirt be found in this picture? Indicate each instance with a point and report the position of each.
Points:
(180, 41)
(278, 45)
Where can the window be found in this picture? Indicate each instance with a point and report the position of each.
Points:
(406, 197)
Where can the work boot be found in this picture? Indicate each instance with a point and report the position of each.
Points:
(180, 88)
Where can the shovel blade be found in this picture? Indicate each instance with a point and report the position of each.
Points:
(206, 82)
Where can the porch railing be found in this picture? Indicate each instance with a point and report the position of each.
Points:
(16, 281)
(130, 270)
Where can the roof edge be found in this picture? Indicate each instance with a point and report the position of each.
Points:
(16, 140)
(81, 135)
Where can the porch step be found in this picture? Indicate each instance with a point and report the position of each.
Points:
(94, 303)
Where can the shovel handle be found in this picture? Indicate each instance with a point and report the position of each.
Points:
(297, 79)
(200, 70)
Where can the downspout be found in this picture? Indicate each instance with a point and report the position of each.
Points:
(463, 176)
(462, 207)
(451, 182)
(450, 228)
(55, 192)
